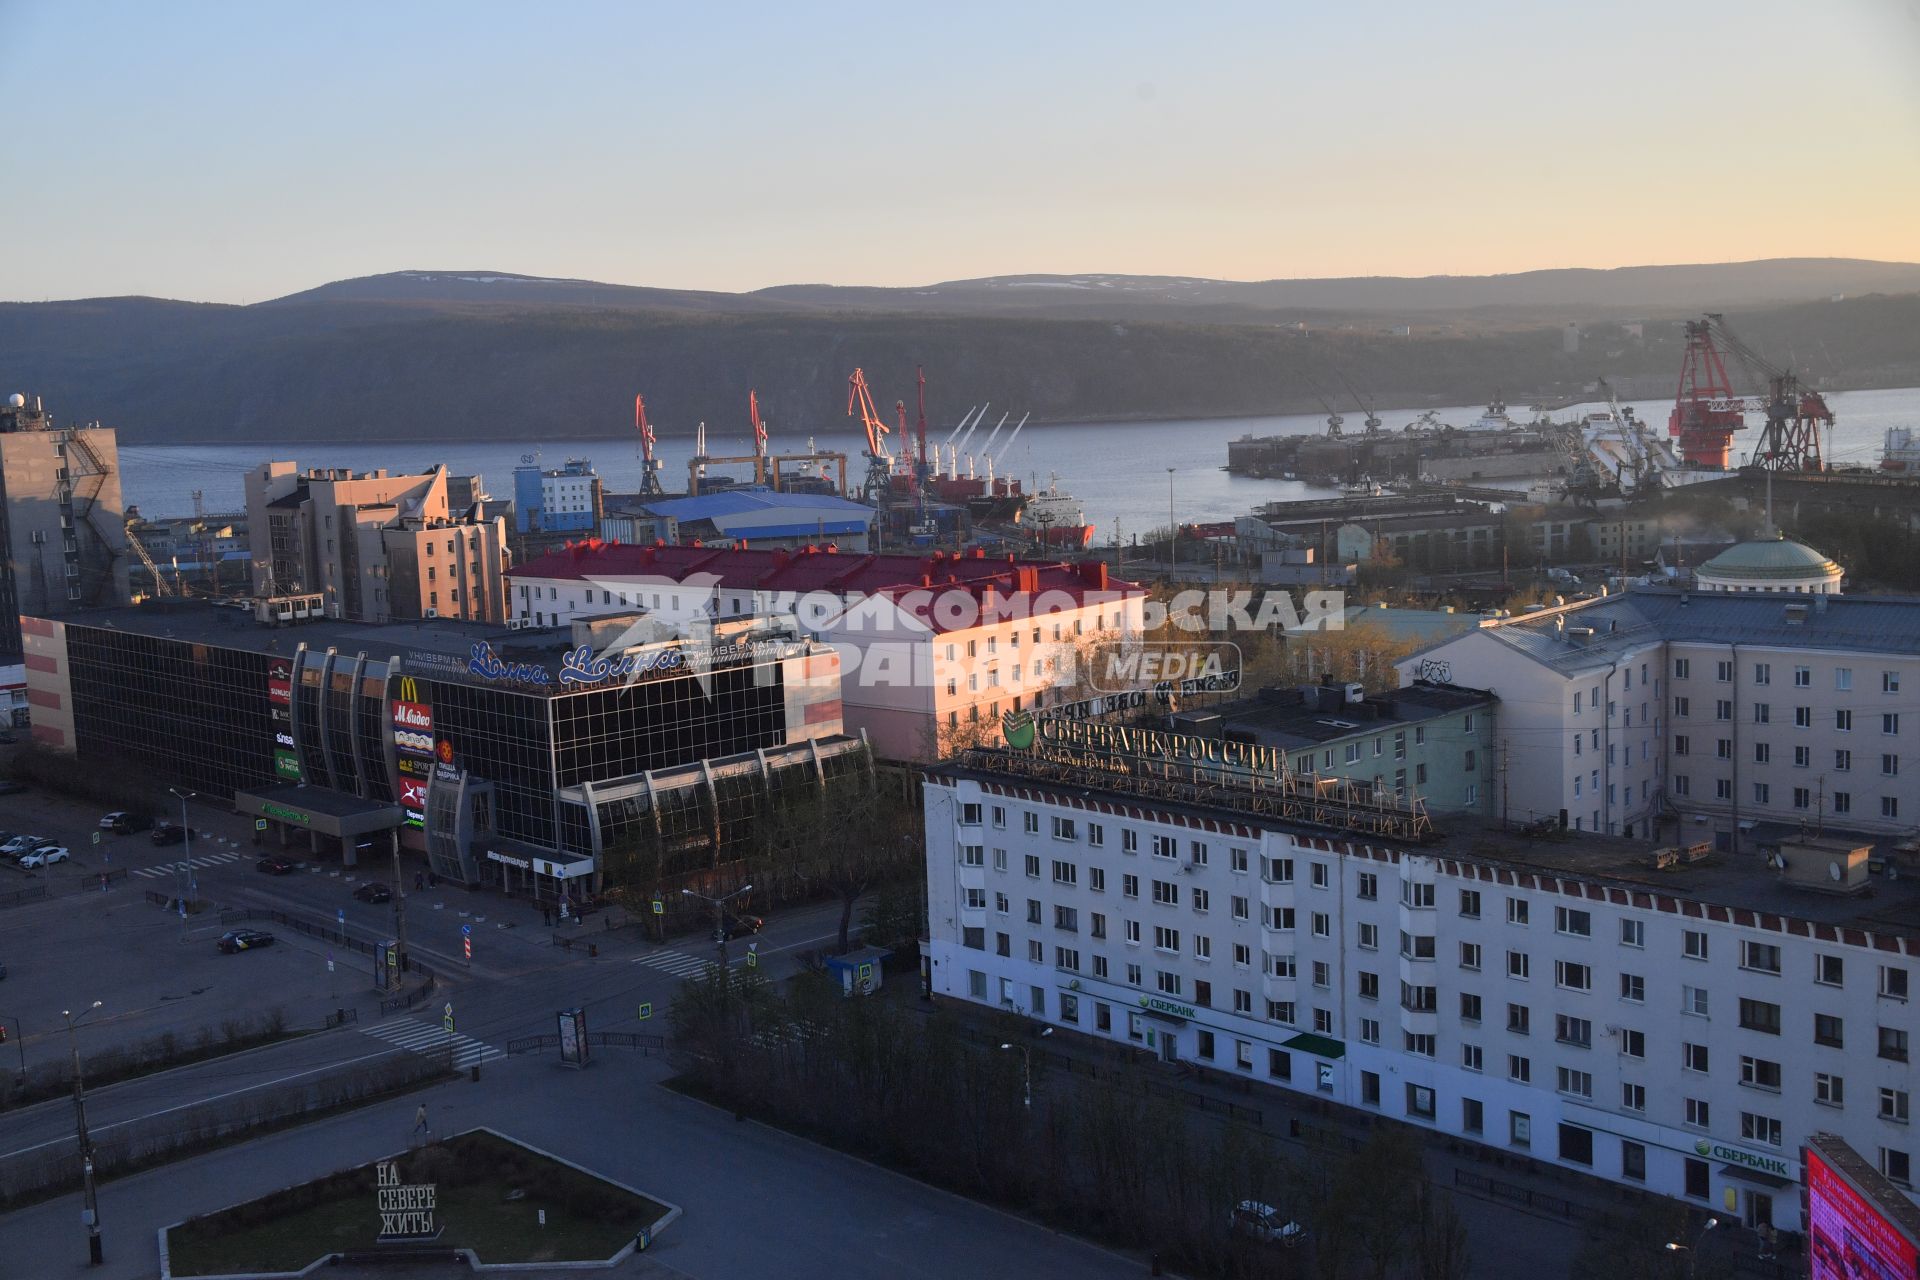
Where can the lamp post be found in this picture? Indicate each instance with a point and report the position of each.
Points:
(719, 917)
(1692, 1250)
(186, 862)
(92, 1214)
(1026, 1074)
(1173, 530)
(20, 1040)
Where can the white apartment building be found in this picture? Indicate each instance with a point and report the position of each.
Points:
(1679, 1030)
(934, 649)
(1719, 716)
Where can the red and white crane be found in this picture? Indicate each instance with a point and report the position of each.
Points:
(879, 461)
(649, 468)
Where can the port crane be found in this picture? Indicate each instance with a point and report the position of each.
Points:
(879, 461)
(649, 467)
(1334, 420)
(1372, 419)
(1706, 412)
(759, 427)
(1795, 413)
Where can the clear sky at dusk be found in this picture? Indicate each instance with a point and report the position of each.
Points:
(234, 152)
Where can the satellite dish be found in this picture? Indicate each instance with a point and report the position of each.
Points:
(16, 401)
(1833, 870)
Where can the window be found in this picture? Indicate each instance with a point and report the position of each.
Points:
(1131, 930)
(1890, 766)
(1571, 976)
(1197, 852)
(1843, 679)
(1322, 925)
(1760, 1015)
(1758, 1073)
(1096, 835)
(1241, 908)
(1723, 709)
(1097, 879)
(1633, 933)
(1890, 722)
(1282, 966)
(1519, 1069)
(1470, 955)
(1413, 895)
(1470, 1057)
(1829, 1091)
(1033, 911)
(1893, 1044)
(1469, 1007)
(1889, 806)
(1723, 671)
(1633, 1156)
(1277, 870)
(1166, 893)
(1829, 970)
(1470, 904)
(1894, 1105)
(1237, 860)
(1516, 910)
(1519, 1019)
(1843, 720)
(1517, 965)
(1065, 829)
(1695, 944)
(970, 815)
(1697, 1113)
(1129, 841)
(1067, 918)
(1680, 707)
(1065, 873)
(1096, 925)
(1165, 939)
(1760, 957)
(1036, 953)
(1519, 1129)
(1033, 866)
(1242, 955)
(1202, 900)
(1757, 1128)
(1369, 1031)
(1573, 1031)
(1577, 1083)
(1576, 923)
(1828, 1030)
(1682, 668)
(1030, 823)
(1129, 886)
(1319, 875)
(1803, 757)
(1693, 1001)
(1693, 1057)
(973, 855)
(1893, 982)
(1169, 983)
(1896, 1167)
(1369, 939)
(1762, 673)
(1322, 974)
(976, 899)
(1633, 988)
(1633, 1044)
(1417, 946)
(1166, 847)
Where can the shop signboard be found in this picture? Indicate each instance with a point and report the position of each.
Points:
(573, 1037)
(286, 765)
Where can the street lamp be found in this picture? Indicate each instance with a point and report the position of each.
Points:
(186, 862)
(92, 1215)
(1173, 530)
(1692, 1250)
(719, 917)
(20, 1039)
(1026, 1074)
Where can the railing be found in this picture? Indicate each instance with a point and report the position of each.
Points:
(405, 1003)
(339, 1018)
(646, 1043)
(1525, 1197)
(32, 893)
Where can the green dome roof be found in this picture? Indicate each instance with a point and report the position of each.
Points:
(1773, 559)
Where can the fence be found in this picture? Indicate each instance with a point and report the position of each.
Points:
(404, 1003)
(1525, 1197)
(32, 893)
(647, 1044)
(339, 1018)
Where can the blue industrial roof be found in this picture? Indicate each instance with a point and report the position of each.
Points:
(733, 502)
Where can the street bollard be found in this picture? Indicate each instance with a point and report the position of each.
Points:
(593, 949)
(476, 1073)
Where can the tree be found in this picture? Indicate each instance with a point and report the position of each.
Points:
(858, 835)
(1441, 1248)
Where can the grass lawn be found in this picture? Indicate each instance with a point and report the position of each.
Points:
(474, 1174)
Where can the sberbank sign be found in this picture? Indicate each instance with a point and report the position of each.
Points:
(1167, 1006)
(1774, 1165)
(285, 814)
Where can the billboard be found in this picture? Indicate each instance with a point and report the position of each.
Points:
(413, 748)
(1848, 1238)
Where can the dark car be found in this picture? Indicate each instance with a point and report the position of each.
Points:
(739, 926)
(128, 823)
(244, 940)
(373, 891)
(167, 833)
(275, 866)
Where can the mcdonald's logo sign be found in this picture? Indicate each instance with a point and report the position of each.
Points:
(409, 689)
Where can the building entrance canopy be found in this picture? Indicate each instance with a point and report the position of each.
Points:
(321, 809)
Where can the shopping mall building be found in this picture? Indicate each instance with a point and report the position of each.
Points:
(516, 759)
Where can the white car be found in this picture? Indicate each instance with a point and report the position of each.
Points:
(113, 820)
(21, 844)
(45, 857)
(1263, 1222)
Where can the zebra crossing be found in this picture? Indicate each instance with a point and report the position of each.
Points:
(426, 1038)
(677, 963)
(175, 868)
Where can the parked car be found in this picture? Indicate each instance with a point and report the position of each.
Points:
(243, 940)
(113, 820)
(739, 926)
(21, 844)
(275, 866)
(7, 739)
(373, 891)
(167, 833)
(1263, 1222)
(45, 856)
(132, 822)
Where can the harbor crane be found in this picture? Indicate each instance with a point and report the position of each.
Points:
(1795, 413)
(1372, 419)
(879, 461)
(759, 427)
(649, 467)
(1706, 412)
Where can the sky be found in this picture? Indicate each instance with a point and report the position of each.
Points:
(234, 152)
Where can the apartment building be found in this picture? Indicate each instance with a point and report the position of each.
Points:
(1706, 715)
(558, 500)
(1675, 1028)
(934, 650)
(375, 545)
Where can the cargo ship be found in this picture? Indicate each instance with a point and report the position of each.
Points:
(1055, 519)
(1901, 454)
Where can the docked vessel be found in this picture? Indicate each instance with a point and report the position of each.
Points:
(1901, 454)
(1055, 518)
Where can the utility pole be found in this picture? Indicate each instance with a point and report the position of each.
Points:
(186, 863)
(399, 906)
(92, 1214)
(1173, 530)
(1506, 758)
(719, 917)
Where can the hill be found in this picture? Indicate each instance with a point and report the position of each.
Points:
(453, 355)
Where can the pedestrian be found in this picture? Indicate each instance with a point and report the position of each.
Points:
(420, 1120)
(433, 880)
(419, 881)
(546, 916)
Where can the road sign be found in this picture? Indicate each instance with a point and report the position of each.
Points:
(466, 930)
(96, 837)
(340, 914)
(646, 1011)
(259, 824)
(447, 1019)
(659, 907)
(329, 962)
(753, 955)
(563, 908)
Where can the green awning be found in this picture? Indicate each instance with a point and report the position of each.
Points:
(1318, 1046)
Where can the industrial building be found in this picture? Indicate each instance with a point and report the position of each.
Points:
(1669, 1020)
(749, 516)
(557, 500)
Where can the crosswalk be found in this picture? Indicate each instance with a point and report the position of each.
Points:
(426, 1038)
(175, 868)
(677, 963)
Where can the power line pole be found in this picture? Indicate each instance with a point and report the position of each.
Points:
(399, 906)
(1506, 758)
(92, 1214)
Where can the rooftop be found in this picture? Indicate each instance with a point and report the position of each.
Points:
(1649, 615)
(1290, 718)
(1892, 906)
(813, 569)
(1771, 558)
